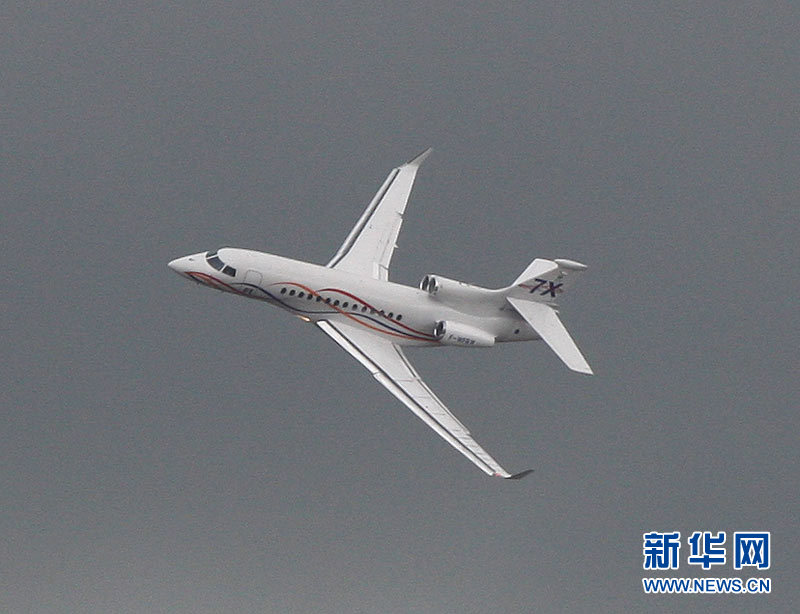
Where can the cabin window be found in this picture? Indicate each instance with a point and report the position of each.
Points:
(301, 294)
(399, 316)
(291, 292)
(283, 290)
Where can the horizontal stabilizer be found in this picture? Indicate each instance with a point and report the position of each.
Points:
(545, 322)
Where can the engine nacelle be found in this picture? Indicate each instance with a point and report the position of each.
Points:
(464, 335)
(452, 291)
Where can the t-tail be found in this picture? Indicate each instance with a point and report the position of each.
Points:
(533, 295)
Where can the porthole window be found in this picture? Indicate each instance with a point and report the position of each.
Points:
(283, 290)
(391, 315)
(309, 297)
(301, 294)
(355, 307)
(399, 316)
(364, 309)
(328, 300)
(336, 303)
(345, 304)
(291, 292)
(319, 298)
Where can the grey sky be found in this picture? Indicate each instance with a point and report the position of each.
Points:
(165, 448)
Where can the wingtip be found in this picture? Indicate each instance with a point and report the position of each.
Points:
(520, 475)
(419, 159)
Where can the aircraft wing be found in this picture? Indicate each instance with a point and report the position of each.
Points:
(390, 367)
(369, 247)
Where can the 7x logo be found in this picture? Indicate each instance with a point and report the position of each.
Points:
(549, 287)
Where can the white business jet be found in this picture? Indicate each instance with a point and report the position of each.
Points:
(353, 302)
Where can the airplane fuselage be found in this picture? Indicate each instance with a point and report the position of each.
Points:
(352, 301)
(403, 314)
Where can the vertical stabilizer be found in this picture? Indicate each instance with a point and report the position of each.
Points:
(544, 280)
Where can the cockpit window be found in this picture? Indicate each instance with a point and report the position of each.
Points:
(214, 261)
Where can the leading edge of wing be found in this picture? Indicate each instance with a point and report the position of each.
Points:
(369, 246)
(386, 362)
(419, 158)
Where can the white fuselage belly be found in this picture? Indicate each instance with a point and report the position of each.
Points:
(405, 315)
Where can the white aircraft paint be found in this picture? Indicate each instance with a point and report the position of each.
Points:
(353, 302)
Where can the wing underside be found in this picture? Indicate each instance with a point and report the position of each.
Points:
(369, 247)
(387, 364)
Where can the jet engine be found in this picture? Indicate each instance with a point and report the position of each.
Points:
(452, 291)
(464, 335)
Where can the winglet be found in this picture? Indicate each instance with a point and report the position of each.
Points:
(420, 158)
(520, 475)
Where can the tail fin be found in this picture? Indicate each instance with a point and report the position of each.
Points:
(532, 295)
(544, 280)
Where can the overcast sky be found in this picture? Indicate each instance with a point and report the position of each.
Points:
(166, 448)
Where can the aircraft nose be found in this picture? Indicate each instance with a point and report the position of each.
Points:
(175, 264)
(180, 265)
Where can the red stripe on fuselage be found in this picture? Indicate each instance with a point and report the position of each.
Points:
(377, 311)
(354, 319)
(214, 282)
